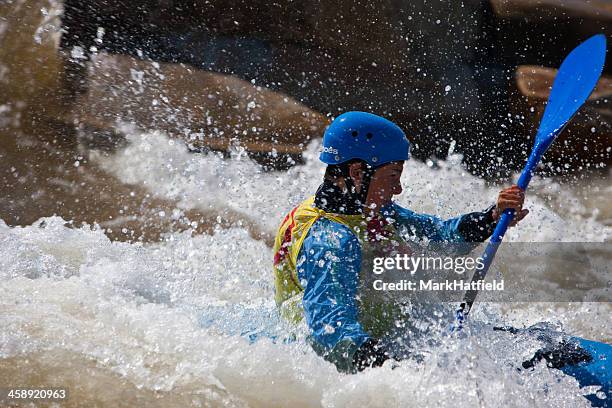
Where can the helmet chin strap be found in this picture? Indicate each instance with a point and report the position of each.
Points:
(330, 197)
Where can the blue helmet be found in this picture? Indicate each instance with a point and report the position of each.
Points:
(362, 135)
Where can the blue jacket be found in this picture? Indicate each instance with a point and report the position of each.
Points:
(329, 265)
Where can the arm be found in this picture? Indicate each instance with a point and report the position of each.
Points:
(328, 267)
(472, 227)
(478, 226)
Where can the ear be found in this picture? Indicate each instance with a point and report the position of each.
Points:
(356, 173)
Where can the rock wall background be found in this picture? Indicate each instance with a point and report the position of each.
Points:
(469, 74)
(444, 70)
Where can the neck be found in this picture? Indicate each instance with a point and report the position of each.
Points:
(371, 212)
(337, 196)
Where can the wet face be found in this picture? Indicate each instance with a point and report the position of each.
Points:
(385, 183)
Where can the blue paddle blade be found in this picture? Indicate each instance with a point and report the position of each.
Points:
(573, 84)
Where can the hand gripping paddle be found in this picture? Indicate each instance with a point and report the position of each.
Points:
(573, 84)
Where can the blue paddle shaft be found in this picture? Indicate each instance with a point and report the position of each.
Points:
(500, 230)
(573, 84)
(523, 182)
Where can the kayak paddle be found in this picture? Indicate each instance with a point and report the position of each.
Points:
(573, 84)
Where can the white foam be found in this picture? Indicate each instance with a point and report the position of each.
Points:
(207, 181)
(178, 316)
(138, 312)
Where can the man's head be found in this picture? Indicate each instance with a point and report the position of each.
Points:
(365, 154)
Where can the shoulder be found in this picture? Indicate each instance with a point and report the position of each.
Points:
(332, 234)
(330, 244)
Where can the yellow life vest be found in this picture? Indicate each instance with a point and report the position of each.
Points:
(287, 245)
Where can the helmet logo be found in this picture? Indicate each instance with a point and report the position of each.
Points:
(330, 149)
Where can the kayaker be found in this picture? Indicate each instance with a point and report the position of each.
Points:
(320, 245)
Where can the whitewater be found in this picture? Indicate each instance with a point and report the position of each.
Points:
(191, 320)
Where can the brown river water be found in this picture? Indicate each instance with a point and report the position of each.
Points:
(157, 299)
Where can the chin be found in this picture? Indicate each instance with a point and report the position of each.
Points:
(385, 203)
